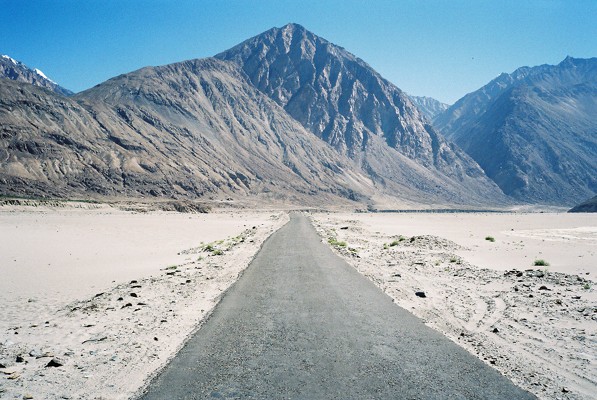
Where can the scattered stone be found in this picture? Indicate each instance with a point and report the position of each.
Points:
(397, 275)
(20, 359)
(119, 299)
(344, 228)
(188, 281)
(97, 338)
(14, 375)
(88, 325)
(495, 330)
(133, 281)
(420, 294)
(565, 390)
(127, 305)
(136, 287)
(155, 338)
(134, 295)
(543, 287)
(27, 396)
(99, 294)
(558, 302)
(170, 273)
(35, 353)
(531, 296)
(55, 363)
(2, 365)
(141, 304)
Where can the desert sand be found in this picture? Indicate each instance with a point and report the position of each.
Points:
(110, 294)
(535, 324)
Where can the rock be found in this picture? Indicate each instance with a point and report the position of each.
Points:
(119, 299)
(343, 227)
(565, 390)
(420, 294)
(136, 287)
(2, 365)
(127, 305)
(35, 353)
(133, 281)
(55, 363)
(558, 302)
(20, 359)
(97, 338)
(155, 338)
(543, 287)
(495, 330)
(576, 297)
(397, 275)
(27, 396)
(99, 294)
(134, 295)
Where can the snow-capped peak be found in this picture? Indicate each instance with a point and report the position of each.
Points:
(10, 59)
(38, 72)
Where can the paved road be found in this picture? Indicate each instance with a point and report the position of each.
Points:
(303, 324)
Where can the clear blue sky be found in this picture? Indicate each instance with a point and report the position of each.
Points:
(438, 48)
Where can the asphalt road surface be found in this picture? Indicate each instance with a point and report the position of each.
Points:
(302, 324)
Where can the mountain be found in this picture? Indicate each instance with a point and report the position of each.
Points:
(534, 131)
(429, 106)
(191, 129)
(586, 206)
(342, 100)
(17, 71)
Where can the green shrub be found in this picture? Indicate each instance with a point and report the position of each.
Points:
(541, 263)
(490, 238)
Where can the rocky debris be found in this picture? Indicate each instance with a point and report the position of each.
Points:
(134, 295)
(55, 363)
(97, 338)
(20, 359)
(420, 294)
(2, 366)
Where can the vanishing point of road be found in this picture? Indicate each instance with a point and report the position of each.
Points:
(302, 324)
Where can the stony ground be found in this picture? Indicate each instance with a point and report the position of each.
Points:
(537, 327)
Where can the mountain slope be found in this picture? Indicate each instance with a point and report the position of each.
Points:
(586, 206)
(192, 129)
(342, 100)
(17, 71)
(429, 106)
(534, 131)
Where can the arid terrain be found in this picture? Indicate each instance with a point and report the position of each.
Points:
(110, 294)
(473, 278)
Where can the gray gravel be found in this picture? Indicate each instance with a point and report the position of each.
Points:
(303, 324)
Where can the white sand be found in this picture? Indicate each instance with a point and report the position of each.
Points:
(55, 262)
(544, 339)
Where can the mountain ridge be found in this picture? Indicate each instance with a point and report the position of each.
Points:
(17, 71)
(533, 131)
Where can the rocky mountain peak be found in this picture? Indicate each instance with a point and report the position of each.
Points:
(17, 71)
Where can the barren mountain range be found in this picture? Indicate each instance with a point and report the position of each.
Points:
(534, 131)
(285, 116)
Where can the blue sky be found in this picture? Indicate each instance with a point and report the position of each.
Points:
(438, 48)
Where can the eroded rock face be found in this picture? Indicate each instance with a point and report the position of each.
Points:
(209, 129)
(342, 100)
(533, 131)
(192, 129)
(429, 106)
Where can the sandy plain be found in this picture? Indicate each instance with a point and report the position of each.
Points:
(535, 324)
(110, 294)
